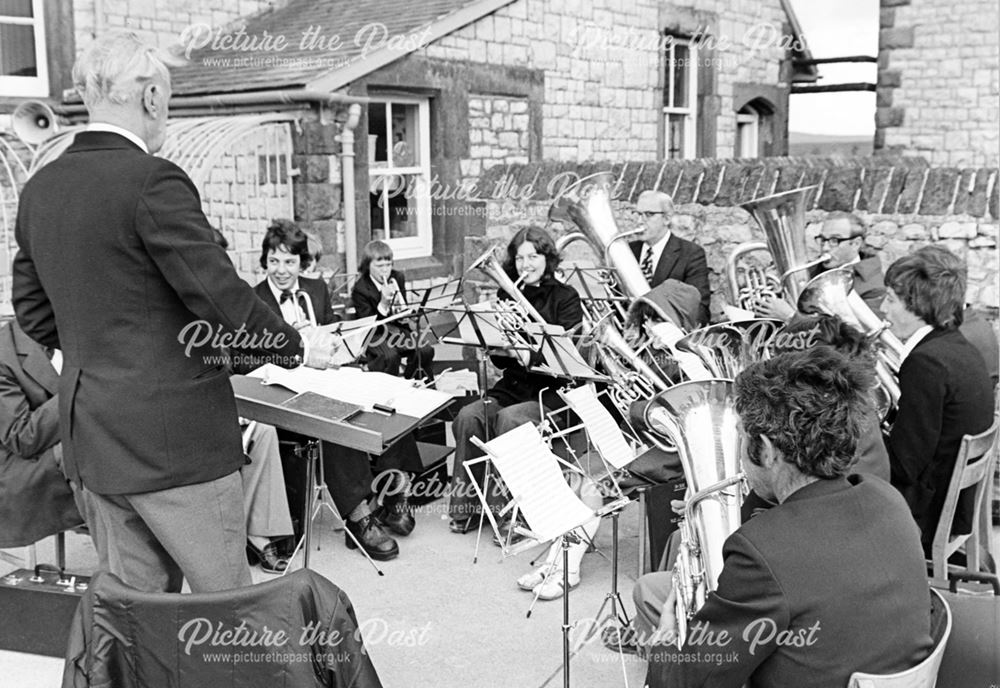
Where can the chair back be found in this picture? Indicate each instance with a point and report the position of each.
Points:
(974, 466)
(924, 674)
(246, 637)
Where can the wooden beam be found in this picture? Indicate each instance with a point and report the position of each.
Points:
(833, 88)
(835, 60)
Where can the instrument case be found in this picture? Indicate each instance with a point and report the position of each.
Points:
(37, 609)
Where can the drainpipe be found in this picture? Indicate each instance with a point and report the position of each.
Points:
(347, 186)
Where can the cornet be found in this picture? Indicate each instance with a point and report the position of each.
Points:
(305, 305)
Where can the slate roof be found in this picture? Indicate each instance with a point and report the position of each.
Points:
(354, 28)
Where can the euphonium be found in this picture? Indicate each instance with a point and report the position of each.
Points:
(701, 419)
(783, 218)
(832, 292)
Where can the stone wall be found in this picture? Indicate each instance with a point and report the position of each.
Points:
(939, 81)
(498, 133)
(604, 69)
(903, 208)
(159, 21)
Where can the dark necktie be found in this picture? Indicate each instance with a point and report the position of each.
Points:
(286, 295)
(647, 262)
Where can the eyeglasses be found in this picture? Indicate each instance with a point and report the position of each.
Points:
(832, 240)
(650, 213)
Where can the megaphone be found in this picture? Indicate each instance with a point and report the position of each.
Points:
(33, 122)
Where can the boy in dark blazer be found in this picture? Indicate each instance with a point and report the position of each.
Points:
(349, 472)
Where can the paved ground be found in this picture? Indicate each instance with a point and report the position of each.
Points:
(435, 618)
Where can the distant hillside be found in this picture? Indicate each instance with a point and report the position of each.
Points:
(801, 144)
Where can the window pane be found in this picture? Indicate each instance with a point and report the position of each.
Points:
(681, 68)
(17, 50)
(377, 134)
(405, 135)
(675, 136)
(15, 8)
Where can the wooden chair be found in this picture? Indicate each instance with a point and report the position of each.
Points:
(924, 674)
(974, 467)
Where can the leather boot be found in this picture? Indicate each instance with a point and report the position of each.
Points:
(372, 539)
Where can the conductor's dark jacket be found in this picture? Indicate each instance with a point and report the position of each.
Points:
(119, 268)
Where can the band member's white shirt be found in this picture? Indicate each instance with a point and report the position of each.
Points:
(915, 339)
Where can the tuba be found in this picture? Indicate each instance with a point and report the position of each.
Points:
(701, 419)
(832, 292)
(783, 218)
(587, 204)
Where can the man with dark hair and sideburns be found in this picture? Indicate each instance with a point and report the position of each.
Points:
(829, 581)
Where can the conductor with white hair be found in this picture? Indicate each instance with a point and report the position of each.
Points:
(119, 268)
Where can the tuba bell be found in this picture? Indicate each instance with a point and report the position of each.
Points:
(783, 218)
(832, 293)
(587, 204)
(701, 419)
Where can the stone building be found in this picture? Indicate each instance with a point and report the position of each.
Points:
(448, 89)
(939, 81)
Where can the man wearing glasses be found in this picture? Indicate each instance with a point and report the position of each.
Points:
(842, 237)
(663, 255)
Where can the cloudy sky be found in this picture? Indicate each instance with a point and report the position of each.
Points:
(838, 28)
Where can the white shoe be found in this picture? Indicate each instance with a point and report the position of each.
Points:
(532, 579)
(552, 587)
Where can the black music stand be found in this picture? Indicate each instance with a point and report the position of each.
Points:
(481, 327)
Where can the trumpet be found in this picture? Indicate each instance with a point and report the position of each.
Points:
(305, 305)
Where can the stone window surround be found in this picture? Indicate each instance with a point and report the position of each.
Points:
(685, 22)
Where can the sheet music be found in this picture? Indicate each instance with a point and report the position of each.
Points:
(690, 364)
(437, 295)
(563, 359)
(355, 335)
(531, 473)
(492, 335)
(600, 426)
(356, 386)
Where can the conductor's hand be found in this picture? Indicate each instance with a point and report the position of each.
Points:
(773, 307)
(320, 347)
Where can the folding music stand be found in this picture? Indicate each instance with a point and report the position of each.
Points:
(540, 492)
